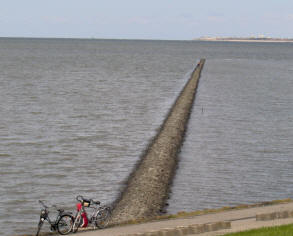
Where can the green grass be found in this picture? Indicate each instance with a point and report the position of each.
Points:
(284, 230)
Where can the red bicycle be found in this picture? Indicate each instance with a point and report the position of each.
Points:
(99, 217)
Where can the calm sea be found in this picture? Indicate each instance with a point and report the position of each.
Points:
(75, 116)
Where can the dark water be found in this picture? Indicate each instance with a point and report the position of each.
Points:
(77, 114)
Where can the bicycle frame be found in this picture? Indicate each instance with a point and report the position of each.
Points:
(81, 216)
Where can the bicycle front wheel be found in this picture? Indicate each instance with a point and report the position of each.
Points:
(65, 223)
(103, 218)
(39, 227)
(76, 222)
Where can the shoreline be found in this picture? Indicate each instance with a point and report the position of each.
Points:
(213, 223)
(245, 40)
(181, 216)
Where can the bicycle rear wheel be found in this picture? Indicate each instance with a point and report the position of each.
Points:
(103, 218)
(65, 223)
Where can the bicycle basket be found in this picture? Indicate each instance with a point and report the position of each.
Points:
(86, 203)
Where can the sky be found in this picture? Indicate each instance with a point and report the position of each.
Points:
(146, 19)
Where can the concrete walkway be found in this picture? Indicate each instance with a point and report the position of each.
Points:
(243, 225)
(208, 225)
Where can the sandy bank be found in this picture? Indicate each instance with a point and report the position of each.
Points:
(244, 40)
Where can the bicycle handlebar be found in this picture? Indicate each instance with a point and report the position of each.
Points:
(43, 204)
(80, 198)
(46, 207)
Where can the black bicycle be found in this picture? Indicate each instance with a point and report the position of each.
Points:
(63, 222)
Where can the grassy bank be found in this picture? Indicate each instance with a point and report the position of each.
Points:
(284, 230)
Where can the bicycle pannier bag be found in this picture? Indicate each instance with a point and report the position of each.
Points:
(86, 203)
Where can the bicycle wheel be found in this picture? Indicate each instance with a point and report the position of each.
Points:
(65, 223)
(103, 218)
(76, 222)
(39, 227)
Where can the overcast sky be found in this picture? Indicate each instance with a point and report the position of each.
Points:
(145, 19)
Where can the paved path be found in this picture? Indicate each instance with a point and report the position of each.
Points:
(240, 220)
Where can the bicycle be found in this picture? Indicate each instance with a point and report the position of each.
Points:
(62, 223)
(100, 216)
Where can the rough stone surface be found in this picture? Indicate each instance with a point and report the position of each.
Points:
(147, 187)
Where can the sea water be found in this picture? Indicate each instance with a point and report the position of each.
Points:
(76, 115)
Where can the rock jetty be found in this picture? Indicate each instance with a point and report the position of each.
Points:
(147, 188)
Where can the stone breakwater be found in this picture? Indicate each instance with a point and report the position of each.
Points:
(147, 188)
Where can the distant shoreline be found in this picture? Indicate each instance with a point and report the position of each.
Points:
(260, 40)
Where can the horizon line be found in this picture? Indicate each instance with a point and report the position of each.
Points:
(90, 38)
